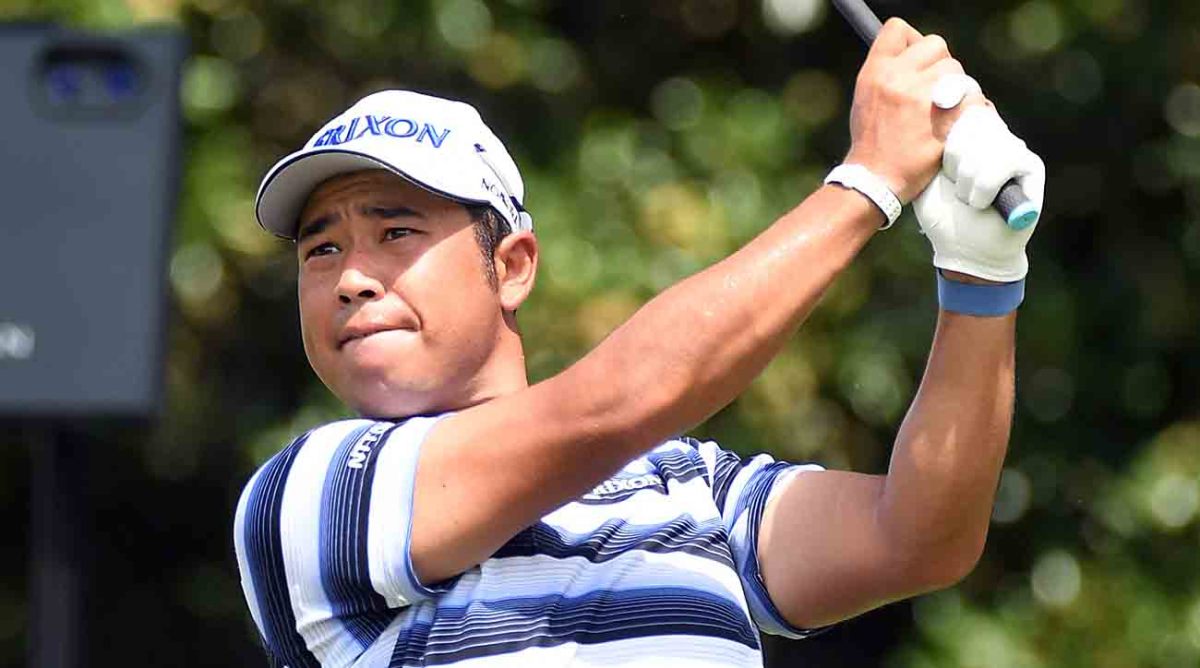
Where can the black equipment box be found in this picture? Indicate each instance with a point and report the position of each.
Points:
(89, 169)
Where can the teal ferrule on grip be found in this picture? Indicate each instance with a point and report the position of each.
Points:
(1022, 216)
(987, 301)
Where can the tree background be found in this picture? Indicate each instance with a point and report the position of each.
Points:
(656, 137)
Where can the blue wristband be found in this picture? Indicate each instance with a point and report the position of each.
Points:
(979, 300)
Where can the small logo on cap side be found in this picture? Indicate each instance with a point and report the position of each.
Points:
(399, 128)
(501, 197)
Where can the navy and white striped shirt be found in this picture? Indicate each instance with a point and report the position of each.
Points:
(655, 566)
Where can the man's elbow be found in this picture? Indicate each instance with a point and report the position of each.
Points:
(908, 572)
(943, 566)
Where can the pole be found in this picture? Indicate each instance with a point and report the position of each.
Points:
(56, 578)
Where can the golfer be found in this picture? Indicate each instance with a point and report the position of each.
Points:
(469, 518)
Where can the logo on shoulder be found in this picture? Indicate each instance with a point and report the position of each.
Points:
(619, 488)
(363, 448)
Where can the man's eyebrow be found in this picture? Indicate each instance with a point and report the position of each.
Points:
(400, 211)
(315, 226)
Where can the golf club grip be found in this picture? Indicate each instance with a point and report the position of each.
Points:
(1011, 203)
(1014, 205)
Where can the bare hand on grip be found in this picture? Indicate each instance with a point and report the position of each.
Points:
(895, 130)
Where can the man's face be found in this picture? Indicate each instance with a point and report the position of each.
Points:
(398, 316)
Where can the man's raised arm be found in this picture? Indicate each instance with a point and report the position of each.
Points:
(491, 470)
(835, 544)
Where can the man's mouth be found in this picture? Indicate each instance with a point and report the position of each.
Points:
(360, 333)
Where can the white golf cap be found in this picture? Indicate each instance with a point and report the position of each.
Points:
(440, 145)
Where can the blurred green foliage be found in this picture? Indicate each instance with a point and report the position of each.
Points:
(656, 137)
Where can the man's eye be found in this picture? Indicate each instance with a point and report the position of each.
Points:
(397, 233)
(320, 249)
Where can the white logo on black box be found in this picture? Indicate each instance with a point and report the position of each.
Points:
(16, 341)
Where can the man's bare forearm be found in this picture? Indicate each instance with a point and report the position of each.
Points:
(836, 544)
(937, 500)
(696, 346)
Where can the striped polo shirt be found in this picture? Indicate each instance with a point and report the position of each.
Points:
(655, 566)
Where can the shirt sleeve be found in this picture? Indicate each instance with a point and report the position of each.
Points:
(742, 488)
(389, 518)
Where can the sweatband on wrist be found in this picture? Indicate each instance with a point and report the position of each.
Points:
(979, 300)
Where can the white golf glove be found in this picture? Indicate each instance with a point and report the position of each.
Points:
(955, 212)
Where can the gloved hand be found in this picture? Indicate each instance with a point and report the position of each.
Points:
(955, 212)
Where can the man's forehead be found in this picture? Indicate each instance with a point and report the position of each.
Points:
(365, 181)
(380, 185)
(369, 189)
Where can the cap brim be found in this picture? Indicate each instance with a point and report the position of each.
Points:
(285, 190)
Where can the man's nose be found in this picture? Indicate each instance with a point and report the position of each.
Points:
(358, 283)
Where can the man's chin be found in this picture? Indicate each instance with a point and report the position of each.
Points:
(382, 397)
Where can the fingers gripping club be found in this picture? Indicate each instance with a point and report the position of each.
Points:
(1012, 203)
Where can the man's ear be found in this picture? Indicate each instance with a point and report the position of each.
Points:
(516, 261)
